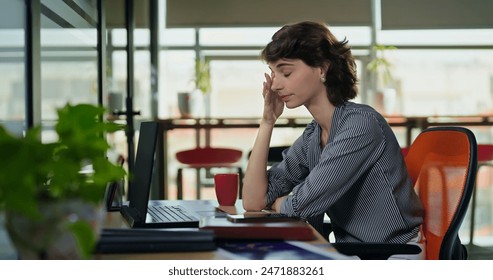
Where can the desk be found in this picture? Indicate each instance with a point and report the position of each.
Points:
(408, 122)
(115, 220)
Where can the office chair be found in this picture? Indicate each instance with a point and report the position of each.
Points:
(442, 163)
(485, 158)
(206, 158)
(404, 151)
(275, 154)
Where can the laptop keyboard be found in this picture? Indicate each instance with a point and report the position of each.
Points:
(165, 213)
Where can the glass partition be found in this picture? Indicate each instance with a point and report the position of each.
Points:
(68, 57)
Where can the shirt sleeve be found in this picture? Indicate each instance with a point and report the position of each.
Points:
(292, 170)
(356, 146)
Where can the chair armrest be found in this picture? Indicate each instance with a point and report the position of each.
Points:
(375, 251)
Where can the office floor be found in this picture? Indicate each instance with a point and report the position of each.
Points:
(479, 253)
(482, 248)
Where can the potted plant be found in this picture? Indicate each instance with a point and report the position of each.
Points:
(202, 75)
(50, 199)
(192, 104)
(382, 68)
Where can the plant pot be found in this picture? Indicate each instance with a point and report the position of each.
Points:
(191, 104)
(50, 236)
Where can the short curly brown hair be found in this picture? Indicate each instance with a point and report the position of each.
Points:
(316, 46)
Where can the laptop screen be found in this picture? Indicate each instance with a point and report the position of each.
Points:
(140, 182)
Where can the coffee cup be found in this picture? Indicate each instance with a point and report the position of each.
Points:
(226, 186)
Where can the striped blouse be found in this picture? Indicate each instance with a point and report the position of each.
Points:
(358, 179)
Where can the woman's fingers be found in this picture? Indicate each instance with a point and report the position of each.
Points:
(267, 85)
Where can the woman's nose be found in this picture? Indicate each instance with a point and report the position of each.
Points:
(275, 84)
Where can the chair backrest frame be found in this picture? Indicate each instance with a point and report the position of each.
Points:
(421, 152)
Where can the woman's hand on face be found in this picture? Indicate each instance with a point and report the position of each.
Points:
(273, 104)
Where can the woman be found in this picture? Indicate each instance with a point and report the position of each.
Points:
(347, 163)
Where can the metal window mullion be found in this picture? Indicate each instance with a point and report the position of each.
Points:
(33, 63)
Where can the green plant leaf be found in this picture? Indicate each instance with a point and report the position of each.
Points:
(381, 65)
(202, 75)
(33, 171)
(84, 235)
(52, 170)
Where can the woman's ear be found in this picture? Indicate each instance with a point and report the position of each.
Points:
(324, 69)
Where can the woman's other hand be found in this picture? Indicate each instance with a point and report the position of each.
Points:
(276, 206)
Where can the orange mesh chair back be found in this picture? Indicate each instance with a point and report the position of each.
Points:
(442, 162)
(207, 157)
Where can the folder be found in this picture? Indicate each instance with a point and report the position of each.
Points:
(224, 229)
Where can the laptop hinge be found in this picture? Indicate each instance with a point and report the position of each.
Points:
(133, 217)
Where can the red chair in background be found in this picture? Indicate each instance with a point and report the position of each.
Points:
(404, 151)
(207, 158)
(485, 158)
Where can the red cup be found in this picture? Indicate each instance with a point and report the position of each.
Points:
(226, 186)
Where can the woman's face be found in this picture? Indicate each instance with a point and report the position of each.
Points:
(297, 83)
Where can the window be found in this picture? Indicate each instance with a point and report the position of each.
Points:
(12, 69)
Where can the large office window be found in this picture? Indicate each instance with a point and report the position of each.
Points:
(438, 75)
(236, 68)
(68, 57)
(12, 67)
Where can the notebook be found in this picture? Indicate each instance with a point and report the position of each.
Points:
(140, 212)
(286, 230)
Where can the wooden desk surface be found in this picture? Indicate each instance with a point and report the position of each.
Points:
(115, 220)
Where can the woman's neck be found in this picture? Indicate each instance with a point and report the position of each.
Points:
(323, 112)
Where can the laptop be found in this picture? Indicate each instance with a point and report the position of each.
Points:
(139, 211)
(123, 240)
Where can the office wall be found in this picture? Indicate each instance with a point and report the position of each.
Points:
(437, 14)
(241, 13)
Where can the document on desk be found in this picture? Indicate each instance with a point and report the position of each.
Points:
(277, 250)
